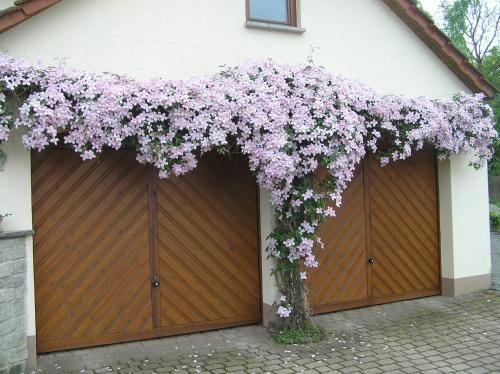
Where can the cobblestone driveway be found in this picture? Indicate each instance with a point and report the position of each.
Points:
(495, 260)
(432, 335)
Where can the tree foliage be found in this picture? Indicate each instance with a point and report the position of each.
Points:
(473, 27)
(491, 70)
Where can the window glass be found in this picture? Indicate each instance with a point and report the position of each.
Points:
(269, 10)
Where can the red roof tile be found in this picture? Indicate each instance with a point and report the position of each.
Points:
(21, 11)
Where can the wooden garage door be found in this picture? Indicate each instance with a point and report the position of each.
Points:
(341, 278)
(383, 245)
(102, 240)
(207, 239)
(404, 228)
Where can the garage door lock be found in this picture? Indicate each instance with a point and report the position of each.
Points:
(155, 282)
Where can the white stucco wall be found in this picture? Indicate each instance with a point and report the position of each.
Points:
(465, 239)
(360, 39)
(267, 223)
(15, 184)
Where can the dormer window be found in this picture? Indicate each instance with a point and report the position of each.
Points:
(281, 12)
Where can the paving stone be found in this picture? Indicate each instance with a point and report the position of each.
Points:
(410, 370)
(372, 371)
(391, 367)
(447, 370)
(477, 371)
(323, 369)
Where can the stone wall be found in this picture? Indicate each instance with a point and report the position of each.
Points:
(13, 345)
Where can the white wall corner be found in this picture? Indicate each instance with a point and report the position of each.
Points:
(30, 288)
(269, 289)
(464, 226)
(445, 218)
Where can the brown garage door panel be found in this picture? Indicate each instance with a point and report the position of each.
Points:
(341, 279)
(208, 247)
(92, 270)
(404, 227)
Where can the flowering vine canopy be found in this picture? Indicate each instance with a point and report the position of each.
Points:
(289, 120)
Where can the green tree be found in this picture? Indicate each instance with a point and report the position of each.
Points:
(473, 27)
(490, 67)
(455, 25)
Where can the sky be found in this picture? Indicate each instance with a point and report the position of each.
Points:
(431, 6)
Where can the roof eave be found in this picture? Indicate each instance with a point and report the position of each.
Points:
(441, 45)
(21, 11)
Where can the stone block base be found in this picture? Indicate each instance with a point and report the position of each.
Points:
(13, 342)
(460, 286)
(31, 342)
(268, 315)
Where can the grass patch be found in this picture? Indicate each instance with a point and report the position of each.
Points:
(311, 334)
(494, 214)
(494, 221)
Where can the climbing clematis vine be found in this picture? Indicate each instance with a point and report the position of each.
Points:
(302, 129)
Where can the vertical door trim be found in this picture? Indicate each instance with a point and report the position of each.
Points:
(438, 216)
(153, 246)
(260, 249)
(366, 164)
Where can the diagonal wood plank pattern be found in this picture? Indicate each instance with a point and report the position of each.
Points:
(92, 271)
(342, 274)
(389, 214)
(208, 245)
(404, 228)
(105, 230)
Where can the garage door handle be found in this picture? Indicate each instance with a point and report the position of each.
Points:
(371, 260)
